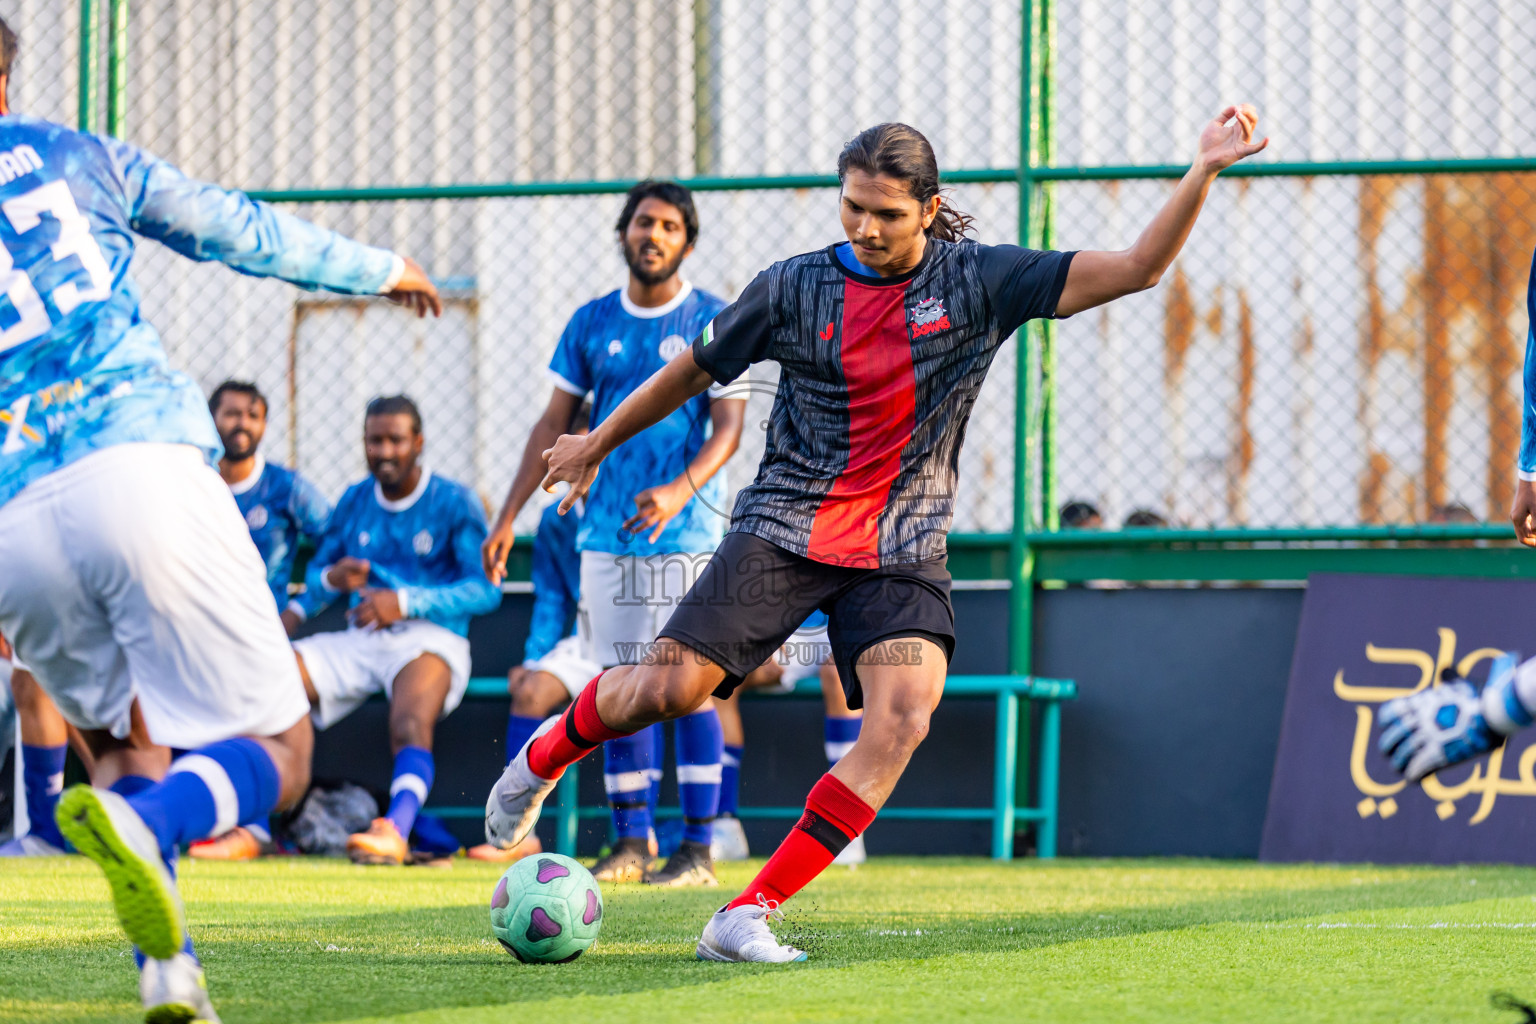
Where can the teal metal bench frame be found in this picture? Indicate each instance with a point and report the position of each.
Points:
(1004, 813)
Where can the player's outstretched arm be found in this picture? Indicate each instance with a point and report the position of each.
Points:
(1099, 277)
(555, 421)
(205, 222)
(574, 459)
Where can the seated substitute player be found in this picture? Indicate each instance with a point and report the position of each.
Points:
(882, 342)
(131, 588)
(45, 739)
(1450, 723)
(804, 655)
(280, 508)
(650, 522)
(404, 547)
(554, 668)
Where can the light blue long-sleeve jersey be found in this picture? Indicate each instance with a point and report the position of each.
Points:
(1528, 415)
(80, 370)
(556, 581)
(279, 507)
(425, 547)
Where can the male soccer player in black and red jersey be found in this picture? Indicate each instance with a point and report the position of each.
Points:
(882, 343)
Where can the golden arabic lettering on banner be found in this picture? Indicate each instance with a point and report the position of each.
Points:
(1487, 783)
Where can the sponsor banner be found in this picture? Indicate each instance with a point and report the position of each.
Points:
(1362, 641)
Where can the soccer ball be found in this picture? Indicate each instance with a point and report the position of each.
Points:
(546, 909)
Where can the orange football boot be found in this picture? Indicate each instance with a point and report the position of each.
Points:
(236, 844)
(381, 844)
(487, 852)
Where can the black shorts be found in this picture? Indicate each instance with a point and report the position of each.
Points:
(753, 594)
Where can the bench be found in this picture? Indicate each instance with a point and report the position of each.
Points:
(1004, 813)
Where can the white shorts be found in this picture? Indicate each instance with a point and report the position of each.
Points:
(627, 599)
(349, 666)
(566, 663)
(130, 574)
(801, 658)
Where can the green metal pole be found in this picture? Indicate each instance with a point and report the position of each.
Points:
(85, 118)
(1020, 557)
(1050, 759)
(117, 66)
(566, 820)
(1004, 795)
(1045, 142)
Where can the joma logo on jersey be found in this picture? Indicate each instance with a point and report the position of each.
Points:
(928, 317)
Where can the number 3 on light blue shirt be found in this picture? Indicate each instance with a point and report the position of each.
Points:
(25, 213)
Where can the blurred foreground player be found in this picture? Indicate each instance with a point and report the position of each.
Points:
(882, 342)
(1452, 722)
(403, 547)
(131, 587)
(650, 523)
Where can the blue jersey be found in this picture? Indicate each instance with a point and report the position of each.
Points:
(279, 507)
(425, 547)
(1528, 415)
(80, 370)
(556, 581)
(609, 348)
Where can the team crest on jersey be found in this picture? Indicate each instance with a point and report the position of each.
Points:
(422, 543)
(364, 539)
(672, 346)
(928, 317)
(615, 347)
(256, 518)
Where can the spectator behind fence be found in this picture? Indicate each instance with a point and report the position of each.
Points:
(1081, 515)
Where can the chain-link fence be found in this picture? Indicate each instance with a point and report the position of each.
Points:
(1331, 349)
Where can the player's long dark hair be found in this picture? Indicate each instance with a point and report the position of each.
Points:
(901, 152)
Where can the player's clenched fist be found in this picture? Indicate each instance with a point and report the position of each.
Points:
(349, 573)
(572, 460)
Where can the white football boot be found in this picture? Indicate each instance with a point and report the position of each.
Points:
(174, 991)
(853, 854)
(728, 840)
(742, 935)
(106, 829)
(513, 807)
(30, 845)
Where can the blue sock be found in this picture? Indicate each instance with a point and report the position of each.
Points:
(840, 734)
(627, 763)
(699, 746)
(730, 779)
(42, 776)
(208, 792)
(658, 758)
(127, 786)
(432, 836)
(408, 790)
(519, 728)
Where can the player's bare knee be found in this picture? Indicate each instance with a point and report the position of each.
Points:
(536, 694)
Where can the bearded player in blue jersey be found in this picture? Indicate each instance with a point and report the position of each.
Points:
(1452, 722)
(131, 587)
(403, 547)
(652, 521)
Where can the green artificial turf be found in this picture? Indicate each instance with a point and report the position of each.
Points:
(910, 939)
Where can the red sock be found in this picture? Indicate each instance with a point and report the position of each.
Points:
(834, 815)
(579, 732)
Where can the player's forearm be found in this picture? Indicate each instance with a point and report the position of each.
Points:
(1160, 242)
(666, 392)
(530, 471)
(470, 596)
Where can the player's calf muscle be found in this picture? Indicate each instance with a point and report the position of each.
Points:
(634, 696)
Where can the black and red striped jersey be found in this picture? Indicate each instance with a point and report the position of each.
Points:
(877, 379)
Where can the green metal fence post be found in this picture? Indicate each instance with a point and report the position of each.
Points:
(117, 67)
(1050, 754)
(566, 820)
(85, 118)
(1004, 795)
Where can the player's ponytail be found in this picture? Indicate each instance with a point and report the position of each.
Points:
(901, 152)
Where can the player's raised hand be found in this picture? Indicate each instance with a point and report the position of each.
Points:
(349, 573)
(657, 506)
(1523, 512)
(378, 609)
(1229, 138)
(416, 290)
(573, 461)
(494, 552)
